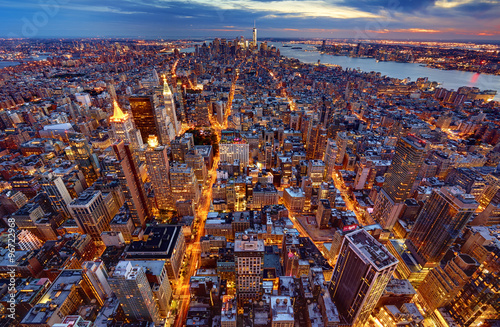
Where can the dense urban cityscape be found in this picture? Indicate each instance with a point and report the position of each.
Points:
(148, 183)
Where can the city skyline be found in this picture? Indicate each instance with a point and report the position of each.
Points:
(416, 20)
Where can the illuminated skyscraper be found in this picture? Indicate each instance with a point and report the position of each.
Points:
(439, 223)
(123, 127)
(363, 269)
(143, 110)
(254, 36)
(159, 173)
(410, 153)
(131, 183)
(169, 103)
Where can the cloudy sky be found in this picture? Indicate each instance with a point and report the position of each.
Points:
(397, 19)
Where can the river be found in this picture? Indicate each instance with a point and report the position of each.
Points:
(449, 79)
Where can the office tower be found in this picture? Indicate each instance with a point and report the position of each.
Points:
(90, 213)
(443, 283)
(363, 269)
(96, 274)
(57, 192)
(329, 158)
(132, 186)
(184, 184)
(132, 289)
(159, 174)
(123, 128)
(439, 223)
(143, 110)
(169, 104)
(80, 151)
(254, 36)
(410, 153)
(324, 213)
(249, 257)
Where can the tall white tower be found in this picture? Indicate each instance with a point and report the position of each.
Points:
(168, 98)
(254, 35)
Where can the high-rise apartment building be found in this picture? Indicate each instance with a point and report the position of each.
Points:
(123, 127)
(132, 289)
(439, 223)
(159, 174)
(410, 153)
(363, 269)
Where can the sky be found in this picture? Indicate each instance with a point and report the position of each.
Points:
(362, 19)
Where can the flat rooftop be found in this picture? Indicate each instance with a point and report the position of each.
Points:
(371, 250)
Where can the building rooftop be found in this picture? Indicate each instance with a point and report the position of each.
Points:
(248, 244)
(159, 242)
(54, 297)
(371, 250)
(281, 308)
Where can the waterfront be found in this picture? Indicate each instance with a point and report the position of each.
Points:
(8, 64)
(450, 79)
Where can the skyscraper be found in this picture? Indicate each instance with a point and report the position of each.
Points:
(90, 213)
(131, 183)
(363, 269)
(123, 127)
(143, 110)
(159, 174)
(57, 192)
(439, 223)
(410, 153)
(132, 288)
(254, 36)
(169, 104)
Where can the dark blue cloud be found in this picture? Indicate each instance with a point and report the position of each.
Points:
(173, 19)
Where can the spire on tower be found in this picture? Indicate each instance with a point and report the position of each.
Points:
(166, 89)
(118, 114)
